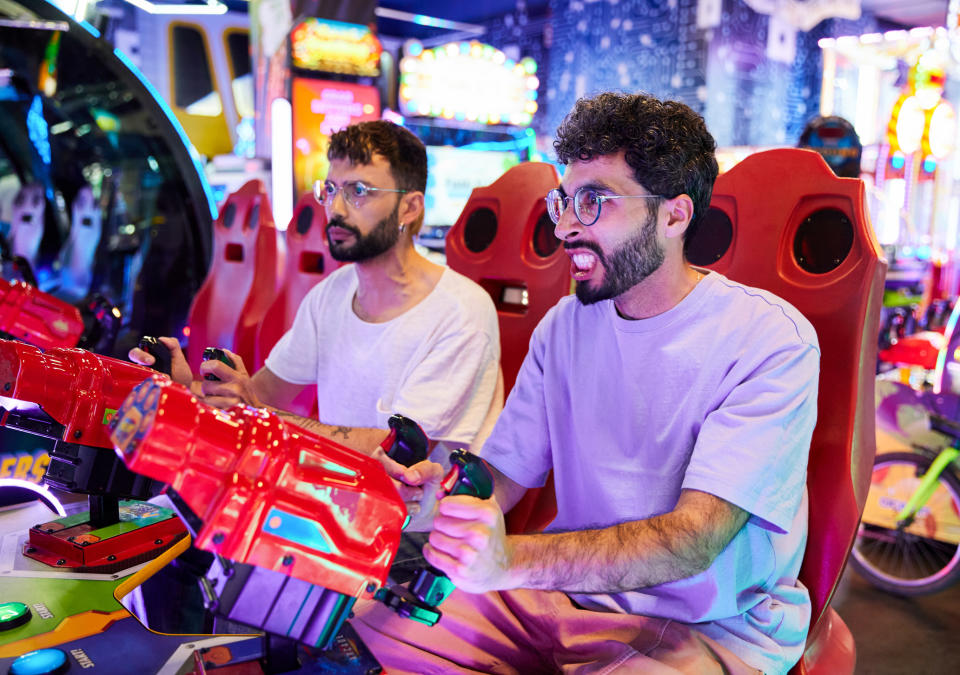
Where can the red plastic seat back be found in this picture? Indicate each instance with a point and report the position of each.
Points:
(308, 262)
(782, 221)
(504, 241)
(242, 279)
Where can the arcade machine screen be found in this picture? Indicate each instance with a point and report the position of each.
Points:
(452, 174)
(321, 107)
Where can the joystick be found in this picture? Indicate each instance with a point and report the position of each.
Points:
(220, 355)
(162, 360)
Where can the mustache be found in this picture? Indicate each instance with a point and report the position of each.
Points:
(338, 221)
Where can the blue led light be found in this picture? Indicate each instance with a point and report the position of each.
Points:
(897, 161)
(38, 131)
(40, 662)
(929, 165)
(296, 529)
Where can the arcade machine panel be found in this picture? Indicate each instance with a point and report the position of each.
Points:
(809, 241)
(27, 222)
(308, 263)
(77, 255)
(243, 276)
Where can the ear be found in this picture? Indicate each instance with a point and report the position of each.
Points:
(411, 208)
(679, 213)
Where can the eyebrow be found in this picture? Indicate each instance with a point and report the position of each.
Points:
(592, 185)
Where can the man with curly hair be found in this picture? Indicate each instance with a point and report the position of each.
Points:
(675, 408)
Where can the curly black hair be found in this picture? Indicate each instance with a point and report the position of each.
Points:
(666, 144)
(403, 151)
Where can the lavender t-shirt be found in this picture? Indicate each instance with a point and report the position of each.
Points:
(718, 394)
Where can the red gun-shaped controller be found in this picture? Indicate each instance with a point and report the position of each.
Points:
(69, 395)
(269, 494)
(39, 318)
(301, 526)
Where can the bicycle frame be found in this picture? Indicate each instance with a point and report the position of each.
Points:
(928, 484)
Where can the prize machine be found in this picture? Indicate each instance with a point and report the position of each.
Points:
(472, 105)
(326, 81)
(894, 87)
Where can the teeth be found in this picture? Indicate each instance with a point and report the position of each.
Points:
(583, 261)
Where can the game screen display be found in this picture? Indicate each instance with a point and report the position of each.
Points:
(453, 173)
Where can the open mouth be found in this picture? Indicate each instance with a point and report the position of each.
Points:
(583, 262)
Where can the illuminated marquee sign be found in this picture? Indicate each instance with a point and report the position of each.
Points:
(468, 81)
(335, 47)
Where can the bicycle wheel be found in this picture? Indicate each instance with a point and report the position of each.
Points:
(923, 556)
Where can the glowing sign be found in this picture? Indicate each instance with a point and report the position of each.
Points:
(319, 109)
(468, 81)
(941, 130)
(335, 47)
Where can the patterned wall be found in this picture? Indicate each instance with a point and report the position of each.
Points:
(755, 78)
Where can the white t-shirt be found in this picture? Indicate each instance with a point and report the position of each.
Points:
(437, 363)
(718, 394)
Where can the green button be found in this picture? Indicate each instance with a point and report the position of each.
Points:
(13, 614)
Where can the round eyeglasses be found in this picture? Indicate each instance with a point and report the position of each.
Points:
(354, 192)
(586, 203)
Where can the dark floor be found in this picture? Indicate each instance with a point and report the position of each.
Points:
(901, 635)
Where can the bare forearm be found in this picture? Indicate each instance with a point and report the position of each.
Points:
(630, 555)
(361, 439)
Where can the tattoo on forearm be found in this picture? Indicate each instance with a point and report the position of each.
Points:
(342, 431)
(302, 422)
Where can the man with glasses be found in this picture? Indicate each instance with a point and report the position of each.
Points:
(675, 408)
(392, 333)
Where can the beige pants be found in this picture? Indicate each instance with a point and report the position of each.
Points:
(527, 632)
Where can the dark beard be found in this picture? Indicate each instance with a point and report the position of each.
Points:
(630, 264)
(380, 239)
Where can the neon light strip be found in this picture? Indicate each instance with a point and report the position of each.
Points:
(35, 25)
(210, 8)
(281, 151)
(423, 20)
(41, 490)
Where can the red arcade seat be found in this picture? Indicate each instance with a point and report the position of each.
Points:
(242, 279)
(780, 220)
(308, 263)
(504, 241)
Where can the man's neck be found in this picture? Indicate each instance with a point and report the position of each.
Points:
(392, 283)
(661, 291)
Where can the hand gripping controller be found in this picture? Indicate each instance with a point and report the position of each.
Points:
(211, 353)
(162, 359)
(468, 475)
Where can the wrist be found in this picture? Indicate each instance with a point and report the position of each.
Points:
(515, 572)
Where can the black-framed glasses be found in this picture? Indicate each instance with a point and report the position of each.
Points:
(586, 203)
(354, 192)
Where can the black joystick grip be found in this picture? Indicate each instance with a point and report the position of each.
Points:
(160, 352)
(218, 354)
(407, 443)
(469, 475)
